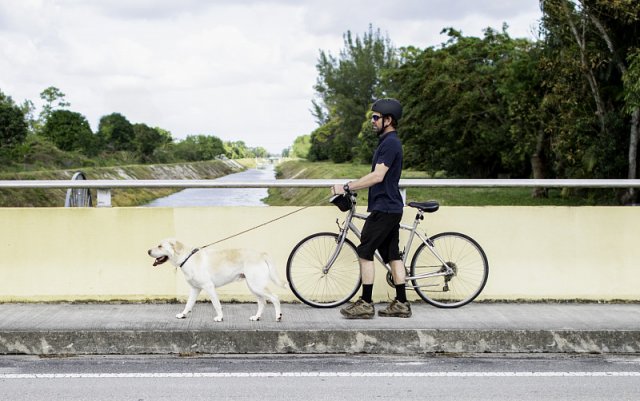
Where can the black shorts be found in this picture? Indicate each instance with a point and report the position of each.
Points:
(381, 232)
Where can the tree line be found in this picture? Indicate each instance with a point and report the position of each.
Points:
(117, 139)
(566, 105)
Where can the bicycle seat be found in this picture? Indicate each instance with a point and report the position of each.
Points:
(428, 206)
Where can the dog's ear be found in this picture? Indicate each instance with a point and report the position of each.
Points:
(178, 247)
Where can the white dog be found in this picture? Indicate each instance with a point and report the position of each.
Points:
(207, 269)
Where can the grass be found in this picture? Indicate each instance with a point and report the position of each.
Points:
(21, 197)
(446, 196)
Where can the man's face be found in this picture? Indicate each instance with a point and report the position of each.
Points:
(377, 122)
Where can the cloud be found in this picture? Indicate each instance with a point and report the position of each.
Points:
(140, 9)
(241, 70)
(431, 15)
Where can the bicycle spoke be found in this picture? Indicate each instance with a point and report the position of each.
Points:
(468, 270)
(306, 275)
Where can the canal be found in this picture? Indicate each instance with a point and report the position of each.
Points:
(193, 197)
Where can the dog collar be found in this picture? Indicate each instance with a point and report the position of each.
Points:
(190, 255)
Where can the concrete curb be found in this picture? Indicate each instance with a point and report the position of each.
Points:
(83, 329)
(131, 342)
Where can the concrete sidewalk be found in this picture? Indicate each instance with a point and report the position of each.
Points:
(106, 328)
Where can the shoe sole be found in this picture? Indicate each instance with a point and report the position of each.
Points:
(383, 313)
(358, 317)
(402, 316)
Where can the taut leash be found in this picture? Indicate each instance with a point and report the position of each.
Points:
(256, 227)
(241, 232)
(252, 228)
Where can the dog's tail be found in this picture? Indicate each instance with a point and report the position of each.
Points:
(273, 274)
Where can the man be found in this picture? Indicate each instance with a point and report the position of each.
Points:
(381, 229)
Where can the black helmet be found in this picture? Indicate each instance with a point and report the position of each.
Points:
(390, 107)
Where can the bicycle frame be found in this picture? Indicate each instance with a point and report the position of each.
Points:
(350, 226)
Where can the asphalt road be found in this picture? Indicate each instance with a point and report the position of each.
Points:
(322, 377)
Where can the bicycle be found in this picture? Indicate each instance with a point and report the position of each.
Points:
(448, 270)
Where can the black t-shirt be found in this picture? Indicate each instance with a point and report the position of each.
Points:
(385, 196)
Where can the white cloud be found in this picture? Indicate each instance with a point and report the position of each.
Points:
(241, 70)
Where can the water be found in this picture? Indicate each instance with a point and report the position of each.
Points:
(222, 196)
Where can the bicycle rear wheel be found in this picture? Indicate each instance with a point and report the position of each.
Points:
(307, 278)
(468, 262)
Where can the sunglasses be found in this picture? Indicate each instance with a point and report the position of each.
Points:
(375, 118)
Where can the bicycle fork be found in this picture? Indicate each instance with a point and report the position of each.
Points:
(339, 243)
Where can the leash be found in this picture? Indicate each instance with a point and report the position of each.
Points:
(195, 250)
(256, 227)
(242, 232)
(248, 230)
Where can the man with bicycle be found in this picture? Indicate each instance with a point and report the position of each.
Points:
(382, 227)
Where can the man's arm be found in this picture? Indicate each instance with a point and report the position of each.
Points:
(369, 180)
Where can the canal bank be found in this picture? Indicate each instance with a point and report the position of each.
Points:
(55, 197)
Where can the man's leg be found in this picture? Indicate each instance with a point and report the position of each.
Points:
(399, 307)
(399, 275)
(368, 275)
(363, 307)
(369, 241)
(372, 235)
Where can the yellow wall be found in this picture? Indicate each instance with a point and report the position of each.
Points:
(65, 254)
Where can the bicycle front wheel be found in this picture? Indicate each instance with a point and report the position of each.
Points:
(468, 276)
(317, 284)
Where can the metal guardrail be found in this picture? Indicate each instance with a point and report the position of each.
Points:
(104, 187)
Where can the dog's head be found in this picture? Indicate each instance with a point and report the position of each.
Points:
(168, 249)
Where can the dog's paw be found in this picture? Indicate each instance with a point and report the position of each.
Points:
(217, 319)
(279, 318)
(181, 316)
(254, 318)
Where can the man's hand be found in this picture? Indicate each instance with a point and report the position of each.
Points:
(337, 189)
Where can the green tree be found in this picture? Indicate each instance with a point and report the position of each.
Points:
(521, 85)
(594, 137)
(13, 128)
(301, 147)
(166, 135)
(116, 133)
(260, 151)
(455, 117)
(631, 80)
(53, 99)
(345, 89)
(29, 111)
(368, 142)
(613, 21)
(199, 147)
(632, 99)
(236, 150)
(147, 140)
(70, 131)
(321, 141)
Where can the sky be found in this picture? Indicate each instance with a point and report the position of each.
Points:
(242, 70)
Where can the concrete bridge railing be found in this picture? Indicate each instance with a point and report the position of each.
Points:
(535, 253)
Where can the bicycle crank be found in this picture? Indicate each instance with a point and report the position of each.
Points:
(390, 280)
